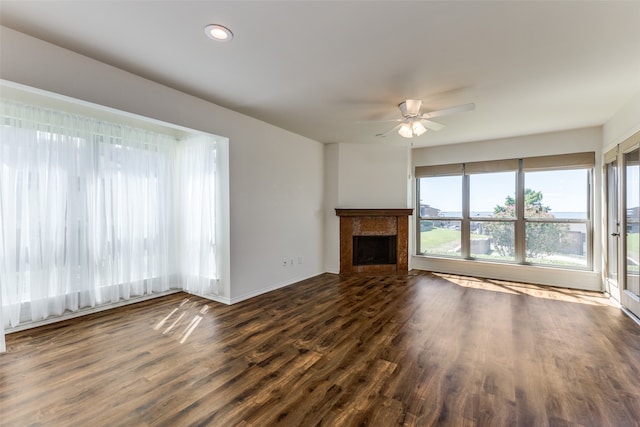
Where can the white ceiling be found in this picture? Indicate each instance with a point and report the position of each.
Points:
(321, 68)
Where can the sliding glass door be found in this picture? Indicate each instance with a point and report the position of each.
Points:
(630, 295)
(622, 174)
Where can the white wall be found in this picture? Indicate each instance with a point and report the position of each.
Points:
(572, 141)
(362, 176)
(276, 177)
(623, 124)
(372, 176)
(331, 197)
(276, 210)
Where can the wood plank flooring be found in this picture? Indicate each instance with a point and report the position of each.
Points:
(418, 350)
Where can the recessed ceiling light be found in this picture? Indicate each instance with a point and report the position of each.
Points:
(218, 32)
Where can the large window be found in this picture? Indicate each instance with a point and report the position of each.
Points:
(88, 212)
(528, 211)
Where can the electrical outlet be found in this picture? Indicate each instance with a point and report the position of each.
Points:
(299, 260)
(291, 260)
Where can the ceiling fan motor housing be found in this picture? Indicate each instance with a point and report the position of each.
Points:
(410, 107)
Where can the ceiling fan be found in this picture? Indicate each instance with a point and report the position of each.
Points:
(413, 123)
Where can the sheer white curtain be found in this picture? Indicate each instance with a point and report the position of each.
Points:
(3, 346)
(198, 228)
(86, 212)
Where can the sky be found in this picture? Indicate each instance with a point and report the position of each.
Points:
(560, 190)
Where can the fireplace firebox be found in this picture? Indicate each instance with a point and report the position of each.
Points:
(374, 250)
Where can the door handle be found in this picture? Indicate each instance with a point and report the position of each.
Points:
(615, 234)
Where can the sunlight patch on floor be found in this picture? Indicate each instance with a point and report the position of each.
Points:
(188, 330)
(537, 291)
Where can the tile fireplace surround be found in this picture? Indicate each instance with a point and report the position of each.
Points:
(374, 222)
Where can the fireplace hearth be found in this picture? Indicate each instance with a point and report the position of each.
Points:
(374, 241)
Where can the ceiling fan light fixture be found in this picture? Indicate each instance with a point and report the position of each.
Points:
(218, 32)
(406, 130)
(418, 128)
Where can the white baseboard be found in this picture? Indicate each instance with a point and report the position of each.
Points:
(216, 298)
(86, 311)
(631, 315)
(269, 289)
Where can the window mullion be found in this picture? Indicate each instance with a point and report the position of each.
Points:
(465, 226)
(418, 217)
(520, 228)
(589, 224)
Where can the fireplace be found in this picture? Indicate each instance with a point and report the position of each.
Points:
(374, 241)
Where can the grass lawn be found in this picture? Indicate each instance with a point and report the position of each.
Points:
(633, 242)
(447, 241)
(440, 240)
(633, 251)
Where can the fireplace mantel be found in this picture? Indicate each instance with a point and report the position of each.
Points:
(373, 212)
(374, 222)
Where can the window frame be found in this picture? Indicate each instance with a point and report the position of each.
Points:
(584, 160)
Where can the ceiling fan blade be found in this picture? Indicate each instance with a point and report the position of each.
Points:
(432, 125)
(389, 131)
(451, 110)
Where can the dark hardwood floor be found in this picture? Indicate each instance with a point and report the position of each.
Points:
(416, 350)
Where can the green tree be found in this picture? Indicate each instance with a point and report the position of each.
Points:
(541, 238)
